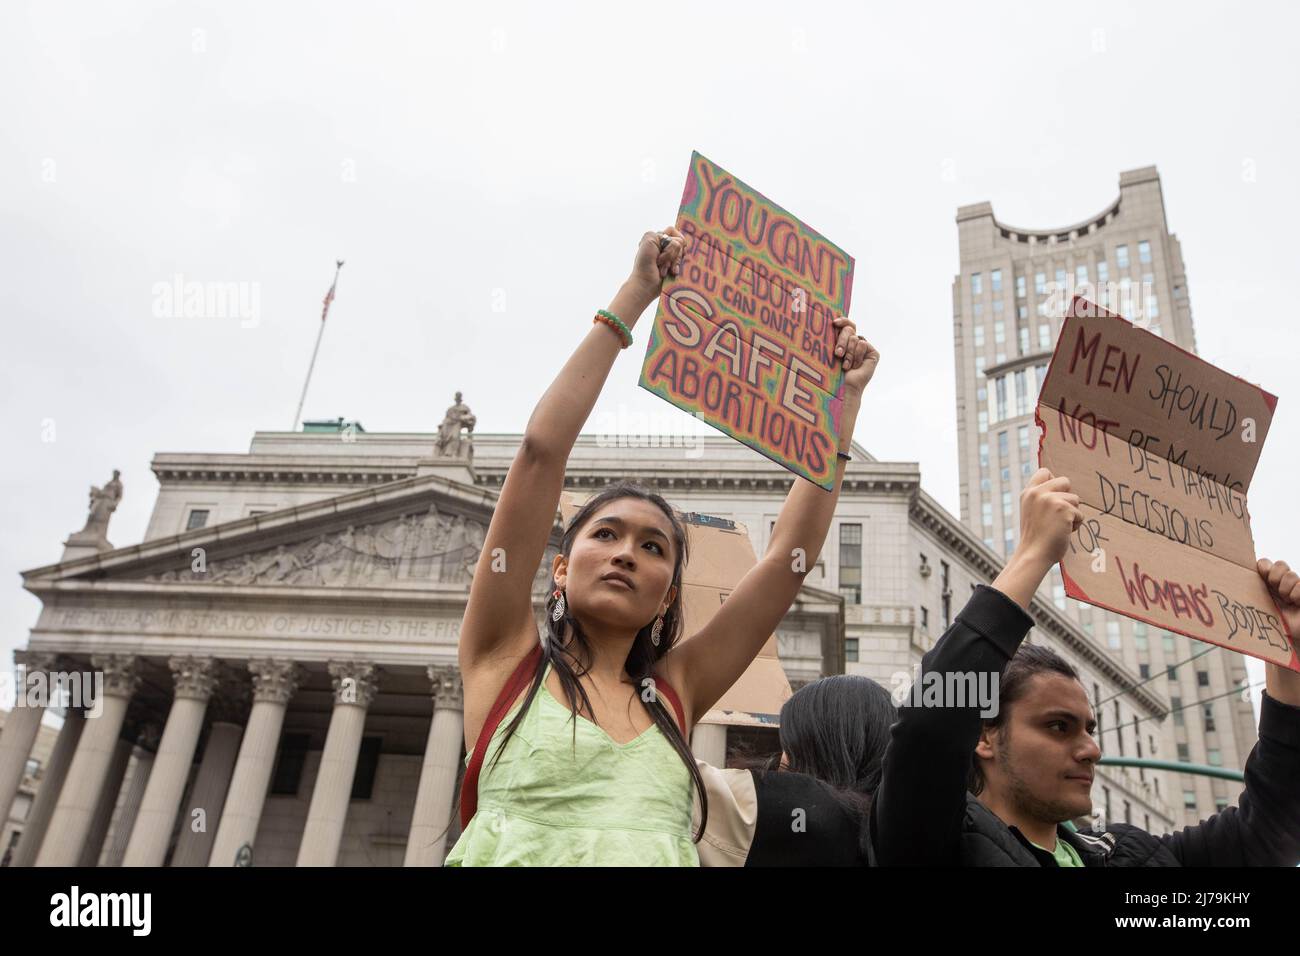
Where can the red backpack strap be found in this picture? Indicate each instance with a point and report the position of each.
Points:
(523, 673)
(663, 687)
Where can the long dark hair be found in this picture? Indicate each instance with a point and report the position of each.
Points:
(573, 660)
(836, 729)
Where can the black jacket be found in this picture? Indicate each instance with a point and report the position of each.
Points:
(923, 814)
(778, 818)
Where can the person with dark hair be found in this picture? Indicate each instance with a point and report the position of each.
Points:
(811, 810)
(587, 730)
(962, 787)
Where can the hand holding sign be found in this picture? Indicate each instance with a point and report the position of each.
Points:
(1049, 513)
(860, 357)
(658, 255)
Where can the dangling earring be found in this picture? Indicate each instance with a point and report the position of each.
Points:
(557, 612)
(656, 629)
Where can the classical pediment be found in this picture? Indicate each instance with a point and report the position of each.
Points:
(409, 534)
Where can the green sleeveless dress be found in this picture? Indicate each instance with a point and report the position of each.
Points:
(547, 803)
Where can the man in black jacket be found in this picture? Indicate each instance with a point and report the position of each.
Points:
(1031, 765)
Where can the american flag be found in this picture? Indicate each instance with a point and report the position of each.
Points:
(329, 296)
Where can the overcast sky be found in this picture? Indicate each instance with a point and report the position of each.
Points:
(461, 157)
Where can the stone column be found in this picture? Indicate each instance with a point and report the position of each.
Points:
(70, 825)
(194, 680)
(47, 792)
(22, 725)
(141, 774)
(354, 688)
(274, 684)
(709, 743)
(208, 798)
(427, 843)
(102, 818)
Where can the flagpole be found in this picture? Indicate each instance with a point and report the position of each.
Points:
(329, 297)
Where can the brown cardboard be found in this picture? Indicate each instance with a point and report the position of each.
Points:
(1158, 445)
(718, 559)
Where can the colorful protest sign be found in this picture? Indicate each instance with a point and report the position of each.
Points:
(1160, 446)
(743, 337)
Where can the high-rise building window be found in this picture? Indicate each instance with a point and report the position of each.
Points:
(1020, 287)
(1008, 542)
(1022, 312)
(198, 519)
(984, 454)
(1144, 671)
(1183, 753)
(976, 284)
(995, 278)
(1140, 637)
(1006, 475)
(850, 649)
(1002, 446)
(1103, 272)
(985, 484)
(997, 306)
(1121, 256)
(1213, 757)
(1153, 307)
(1189, 799)
(1040, 373)
(979, 365)
(851, 562)
(1208, 716)
(1022, 433)
(1144, 251)
(1060, 277)
(1040, 283)
(999, 332)
(1112, 635)
(1006, 504)
(986, 512)
(978, 309)
(1202, 678)
(1167, 642)
(1045, 336)
(1000, 387)
(1026, 469)
(1176, 708)
(979, 336)
(1022, 393)
(1023, 339)
(1081, 274)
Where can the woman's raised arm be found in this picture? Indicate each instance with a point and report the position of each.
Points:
(498, 628)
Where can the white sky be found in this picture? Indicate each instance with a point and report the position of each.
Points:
(458, 156)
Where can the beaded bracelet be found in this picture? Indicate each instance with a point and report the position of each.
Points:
(615, 323)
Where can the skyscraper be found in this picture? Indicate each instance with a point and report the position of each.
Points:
(1007, 302)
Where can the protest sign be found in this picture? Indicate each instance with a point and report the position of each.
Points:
(743, 337)
(1160, 446)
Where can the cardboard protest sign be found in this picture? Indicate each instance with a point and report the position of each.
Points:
(743, 337)
(1160, 446)
(719, 558)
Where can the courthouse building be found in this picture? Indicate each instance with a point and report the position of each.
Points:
(279, 651)
(1005, 326)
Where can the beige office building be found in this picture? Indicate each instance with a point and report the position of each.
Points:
(1006, 318)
